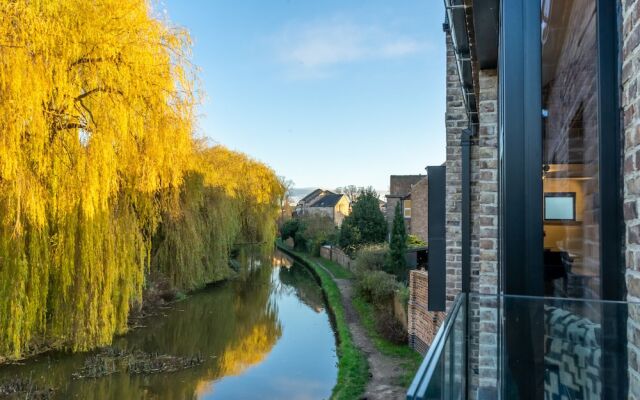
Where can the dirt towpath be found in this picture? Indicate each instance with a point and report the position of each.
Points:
(384, 370)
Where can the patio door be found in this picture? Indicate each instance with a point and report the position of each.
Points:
(560, 196)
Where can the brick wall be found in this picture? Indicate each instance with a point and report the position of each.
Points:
(484, 235)
(423, 324)
(630, 80)
(484, 216)
(456, 122)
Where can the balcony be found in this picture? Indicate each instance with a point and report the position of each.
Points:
(518, 347)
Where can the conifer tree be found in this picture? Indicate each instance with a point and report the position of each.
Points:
(397, 262)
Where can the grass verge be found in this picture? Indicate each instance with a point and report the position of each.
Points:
(408, 358)
(336, 269)
(353, 370)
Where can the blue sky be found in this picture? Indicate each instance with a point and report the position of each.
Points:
(328, 93)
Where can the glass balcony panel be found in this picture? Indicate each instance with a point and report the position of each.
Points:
(533, 348)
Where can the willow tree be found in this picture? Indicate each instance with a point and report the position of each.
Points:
(227, 199)
(96, 111)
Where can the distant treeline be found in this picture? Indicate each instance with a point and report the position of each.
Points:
(102, 181)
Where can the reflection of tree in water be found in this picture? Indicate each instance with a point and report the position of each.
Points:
(300, 281)
(232, 326)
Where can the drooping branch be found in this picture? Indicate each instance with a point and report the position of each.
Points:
(117, 59)
(96, 90)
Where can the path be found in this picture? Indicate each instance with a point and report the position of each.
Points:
(384, 370)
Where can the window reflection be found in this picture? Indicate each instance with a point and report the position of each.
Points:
(570, 149)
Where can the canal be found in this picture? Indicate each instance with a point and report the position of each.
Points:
(265, 334)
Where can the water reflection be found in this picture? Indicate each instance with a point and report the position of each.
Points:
(263, 334)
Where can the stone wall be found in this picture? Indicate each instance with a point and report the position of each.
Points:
(630, 80)
(423, 324)
(392, 202)
(419, 209)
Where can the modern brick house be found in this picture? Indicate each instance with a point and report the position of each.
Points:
(411, 192)
(534, 226)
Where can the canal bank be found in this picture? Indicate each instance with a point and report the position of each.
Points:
(353, 369)
(267, 332)
(385, 372)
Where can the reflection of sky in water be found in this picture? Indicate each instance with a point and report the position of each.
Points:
(263, 335)
(300, 366)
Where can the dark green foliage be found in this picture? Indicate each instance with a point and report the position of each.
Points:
(396, 262)
(349, 237)
(318, 231)
(289, 229)
(309, 232)
(372, 257)
(365, 224)
(390, 328)
(294, 229)
(377, 287)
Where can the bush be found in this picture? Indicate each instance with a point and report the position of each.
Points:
(415, 241)
(289, 229)
(377, 287)
(390, 328)
(403, 296)
(371, 258)
(309, 232)
(366, 223)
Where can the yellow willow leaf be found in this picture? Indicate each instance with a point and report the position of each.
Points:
(101, 180)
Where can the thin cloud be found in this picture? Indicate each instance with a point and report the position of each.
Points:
(312, 49)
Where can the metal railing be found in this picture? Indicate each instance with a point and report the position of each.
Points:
(441, 374)
(523, 347)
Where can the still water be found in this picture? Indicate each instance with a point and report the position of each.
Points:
(264, 335)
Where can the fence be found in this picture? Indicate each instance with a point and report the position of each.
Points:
(336, 255)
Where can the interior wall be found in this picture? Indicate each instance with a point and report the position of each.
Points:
(565, 235)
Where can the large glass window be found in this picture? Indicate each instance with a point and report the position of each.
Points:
(571, 210)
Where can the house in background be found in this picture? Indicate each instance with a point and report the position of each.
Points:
(325, 202)
(309, 198)
(383, 207)
(411, 192)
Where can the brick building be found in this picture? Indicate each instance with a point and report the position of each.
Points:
(410, 191)
(538, 271)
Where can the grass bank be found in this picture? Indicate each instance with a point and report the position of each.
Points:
(353, 370)
(336, 269)
(408, 359)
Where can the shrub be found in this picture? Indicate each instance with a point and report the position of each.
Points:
(396, 259)
(415, 241)
(390, 328)
(309, 232)
(366, 223)
(377, 287)
(403, 295)
(289, 229)
(371, 258)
